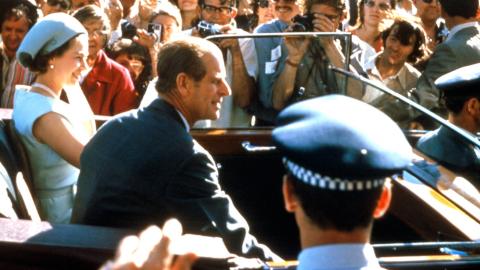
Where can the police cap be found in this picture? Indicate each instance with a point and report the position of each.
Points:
(462, 82)
(339, 143)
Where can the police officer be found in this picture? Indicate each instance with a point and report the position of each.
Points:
(460, 91)
(337, 166)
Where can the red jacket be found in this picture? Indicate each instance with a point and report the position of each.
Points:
(109, 88)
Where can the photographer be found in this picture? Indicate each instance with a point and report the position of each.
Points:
(306, 72)
(217, 17)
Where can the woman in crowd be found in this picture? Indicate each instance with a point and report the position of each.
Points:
(107, 86)
(52, 130)
(373, 18)
(136, 59)
(188, 9)
(404, 45)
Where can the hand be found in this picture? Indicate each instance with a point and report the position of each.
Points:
(114, 11)
(145, 38)
(322, 23)
(146, 8)
(230, 43)
(296, 46)
(151, 250)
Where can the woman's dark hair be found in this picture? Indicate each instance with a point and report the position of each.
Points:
(127, 46)
(40, 62)
(404, 30)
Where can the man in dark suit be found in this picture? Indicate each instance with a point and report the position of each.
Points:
(144, 166)
(461, 48)
(460, 91)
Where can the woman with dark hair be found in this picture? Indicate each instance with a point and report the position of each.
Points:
(107, 86)
(54, 131)
(136, 59)
(372, 20)
(188, 9)
(404, 45)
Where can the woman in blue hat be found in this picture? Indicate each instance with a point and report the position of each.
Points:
(52, 116)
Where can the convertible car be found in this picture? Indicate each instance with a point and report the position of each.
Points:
(433, 223)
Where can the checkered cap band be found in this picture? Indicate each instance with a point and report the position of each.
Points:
(326, 182)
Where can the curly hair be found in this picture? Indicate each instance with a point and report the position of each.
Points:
(404, 30)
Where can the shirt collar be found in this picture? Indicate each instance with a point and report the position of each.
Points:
(338, 256)
(459, 27)
(184, 120)
(371, 69)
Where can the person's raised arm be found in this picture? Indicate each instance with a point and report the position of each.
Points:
(283, 86)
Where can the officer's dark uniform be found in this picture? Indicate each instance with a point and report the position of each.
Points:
(444, 145)
(332, 149)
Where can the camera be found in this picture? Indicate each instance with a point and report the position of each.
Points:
(303, 23)
(128, 30)
(156, 29)
(206, 29)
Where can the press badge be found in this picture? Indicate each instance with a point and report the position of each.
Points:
(276, 53)
(270, 67)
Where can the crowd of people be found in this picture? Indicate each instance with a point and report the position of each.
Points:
(148, 64)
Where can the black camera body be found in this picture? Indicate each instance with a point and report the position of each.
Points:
(303, 23)
(206, 29)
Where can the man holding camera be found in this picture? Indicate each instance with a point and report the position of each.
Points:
(217, 17)
(306, 72)
(294, 69)
(271, 54)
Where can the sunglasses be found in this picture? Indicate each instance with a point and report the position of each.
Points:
(213, 9)
(381, 6)
(430, 1)
(263, 3)
(63, 4)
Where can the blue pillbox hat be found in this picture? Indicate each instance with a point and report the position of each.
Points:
(339, 143)
(48, 34)
(462, 82)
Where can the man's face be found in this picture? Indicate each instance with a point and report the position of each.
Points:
(428, 11)
(395, 52)
(329, 12)
(13, 32)
(213, 11)
(169, 26)
(285, 10)
(96, 37)
(206, 96)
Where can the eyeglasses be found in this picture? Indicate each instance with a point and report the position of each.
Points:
(65, 5)
(381, 6)
(213, 9)
(430, 1)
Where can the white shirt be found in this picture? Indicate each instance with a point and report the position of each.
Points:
(338, 257)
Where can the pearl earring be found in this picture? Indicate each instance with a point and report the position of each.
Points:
(52, 66)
